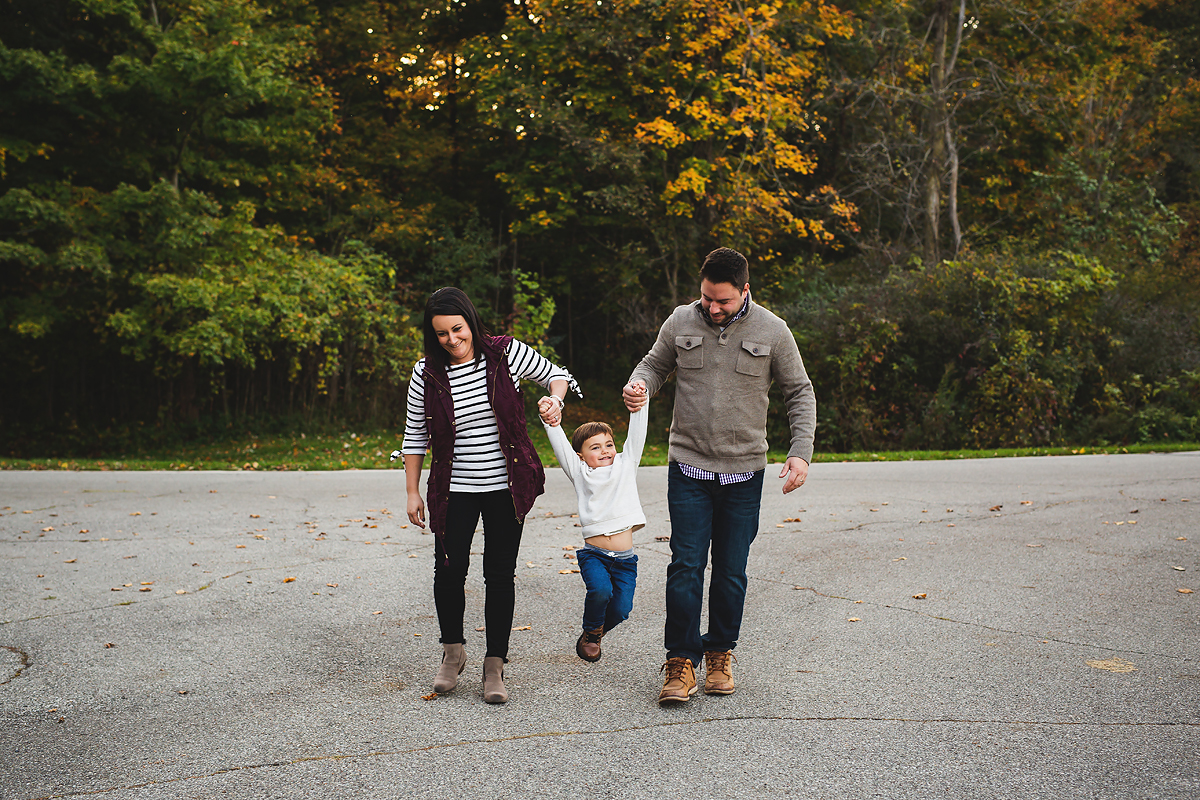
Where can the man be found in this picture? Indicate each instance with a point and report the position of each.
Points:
(725, 350)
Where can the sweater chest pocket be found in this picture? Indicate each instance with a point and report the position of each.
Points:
(753, 359)
(688, 352)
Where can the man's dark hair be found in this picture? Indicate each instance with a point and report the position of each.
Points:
(725, 265)
(586, 431)
(451, 302)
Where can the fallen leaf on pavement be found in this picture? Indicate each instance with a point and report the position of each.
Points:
(996, 507)
(567, 571)
(1179, 569)
(1033, 545)
(524, 628)
(920, 596)
(331, 585)
(109, 645)
(793, 519)
(72, 561)
(1026, 502)
(428, 697)
(180, 591)
(288, 580)
(854, 619)
(1185, 591)
(662, 538)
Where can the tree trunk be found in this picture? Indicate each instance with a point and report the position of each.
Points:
(935, 165)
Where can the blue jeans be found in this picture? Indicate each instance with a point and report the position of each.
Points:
(704, 513)
(610, 583)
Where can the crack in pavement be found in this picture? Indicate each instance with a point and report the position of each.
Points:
(628, 729)
(24, 657)
(248, 570)
(927, 615)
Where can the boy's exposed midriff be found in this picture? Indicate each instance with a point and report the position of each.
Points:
(616, 542)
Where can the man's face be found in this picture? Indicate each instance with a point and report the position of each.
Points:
(721, 300)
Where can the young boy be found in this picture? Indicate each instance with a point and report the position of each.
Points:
(609, 512)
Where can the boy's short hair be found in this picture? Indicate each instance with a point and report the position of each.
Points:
(586, 431)
(725, 265)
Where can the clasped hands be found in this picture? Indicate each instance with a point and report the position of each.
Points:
(550, 409)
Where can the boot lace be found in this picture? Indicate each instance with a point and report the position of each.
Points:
(718, 660)
(674, 668)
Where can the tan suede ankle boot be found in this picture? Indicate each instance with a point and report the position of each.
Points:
(454, 661)
(493, 680)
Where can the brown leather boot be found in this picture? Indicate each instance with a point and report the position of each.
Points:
(588, 646)
(454, 661)
(718, 672)
(680, 683)
(493, 680)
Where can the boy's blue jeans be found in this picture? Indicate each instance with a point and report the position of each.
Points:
(610, 583)
(704, 513)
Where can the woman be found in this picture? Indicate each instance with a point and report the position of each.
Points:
(464, 402)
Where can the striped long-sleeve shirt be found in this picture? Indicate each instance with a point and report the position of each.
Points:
(478, 463)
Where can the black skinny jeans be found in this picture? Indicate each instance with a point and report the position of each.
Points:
(501, 540)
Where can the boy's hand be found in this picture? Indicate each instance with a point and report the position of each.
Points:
(550, 410)
(634, 395)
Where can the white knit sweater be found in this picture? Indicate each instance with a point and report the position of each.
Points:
(608, 496)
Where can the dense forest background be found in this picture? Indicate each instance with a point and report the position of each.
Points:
(981, 219)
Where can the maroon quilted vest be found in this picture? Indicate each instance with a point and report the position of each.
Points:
(526, 478)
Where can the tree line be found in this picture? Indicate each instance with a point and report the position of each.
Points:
(979, 218)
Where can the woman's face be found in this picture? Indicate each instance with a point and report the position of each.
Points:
(454, 334)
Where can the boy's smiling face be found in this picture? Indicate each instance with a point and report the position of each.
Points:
(598, 451)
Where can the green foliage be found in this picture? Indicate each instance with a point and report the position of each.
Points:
(224, 210)
(995, 350)
(1115, 217)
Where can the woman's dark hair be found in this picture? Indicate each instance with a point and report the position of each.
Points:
(451, 302)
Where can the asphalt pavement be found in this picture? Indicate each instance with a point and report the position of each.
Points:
(1008, 628)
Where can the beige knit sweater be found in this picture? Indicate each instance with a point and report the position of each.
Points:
(720, 417)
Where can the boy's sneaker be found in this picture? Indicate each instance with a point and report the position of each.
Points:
(588, 646)
(718, 672)
(680, 683)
